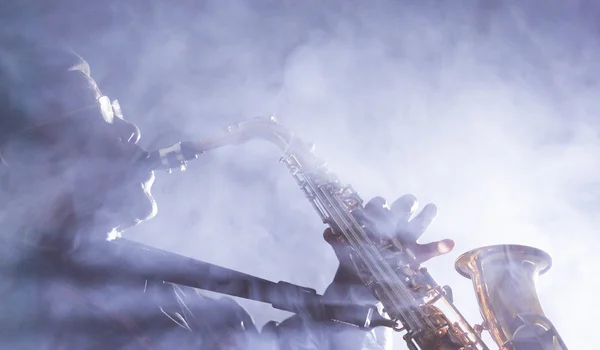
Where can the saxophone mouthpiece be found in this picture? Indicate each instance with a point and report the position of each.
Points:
(172, 157)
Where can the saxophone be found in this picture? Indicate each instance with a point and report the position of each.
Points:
(503, 276)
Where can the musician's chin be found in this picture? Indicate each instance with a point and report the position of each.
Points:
(135, 206)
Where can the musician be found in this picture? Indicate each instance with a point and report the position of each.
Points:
(69, 178)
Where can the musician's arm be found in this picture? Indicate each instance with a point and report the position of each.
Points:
(301, 332)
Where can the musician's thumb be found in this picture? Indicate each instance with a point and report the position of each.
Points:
(340, 247)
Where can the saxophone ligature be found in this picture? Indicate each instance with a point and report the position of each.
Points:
(503, 276)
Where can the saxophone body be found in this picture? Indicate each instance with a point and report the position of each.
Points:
(503, 276)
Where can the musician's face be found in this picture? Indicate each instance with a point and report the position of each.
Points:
(87, 165)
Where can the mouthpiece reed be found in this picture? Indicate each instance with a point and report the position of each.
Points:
(173, 157)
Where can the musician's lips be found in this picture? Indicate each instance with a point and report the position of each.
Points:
(142, 173)
(131, 193)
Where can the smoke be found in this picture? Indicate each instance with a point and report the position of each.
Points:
(486, 110)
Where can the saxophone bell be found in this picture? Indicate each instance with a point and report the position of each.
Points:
(504, 280)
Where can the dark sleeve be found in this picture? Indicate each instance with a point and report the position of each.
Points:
(303, 333)
(222, 323)
(205, 323)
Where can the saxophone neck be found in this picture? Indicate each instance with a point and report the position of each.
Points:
(177, 155)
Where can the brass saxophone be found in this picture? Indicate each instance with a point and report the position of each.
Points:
(503, 276)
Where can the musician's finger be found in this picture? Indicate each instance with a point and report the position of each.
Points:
(424, 252)
(337, 242)
(379, 217)
(376, 207)
(333, 239)
(421, 222)
(404, 207)
(445, 246)
(340, 247)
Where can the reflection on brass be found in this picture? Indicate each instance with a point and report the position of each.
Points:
(504, 279)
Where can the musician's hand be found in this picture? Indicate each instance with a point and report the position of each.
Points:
(395, 222)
